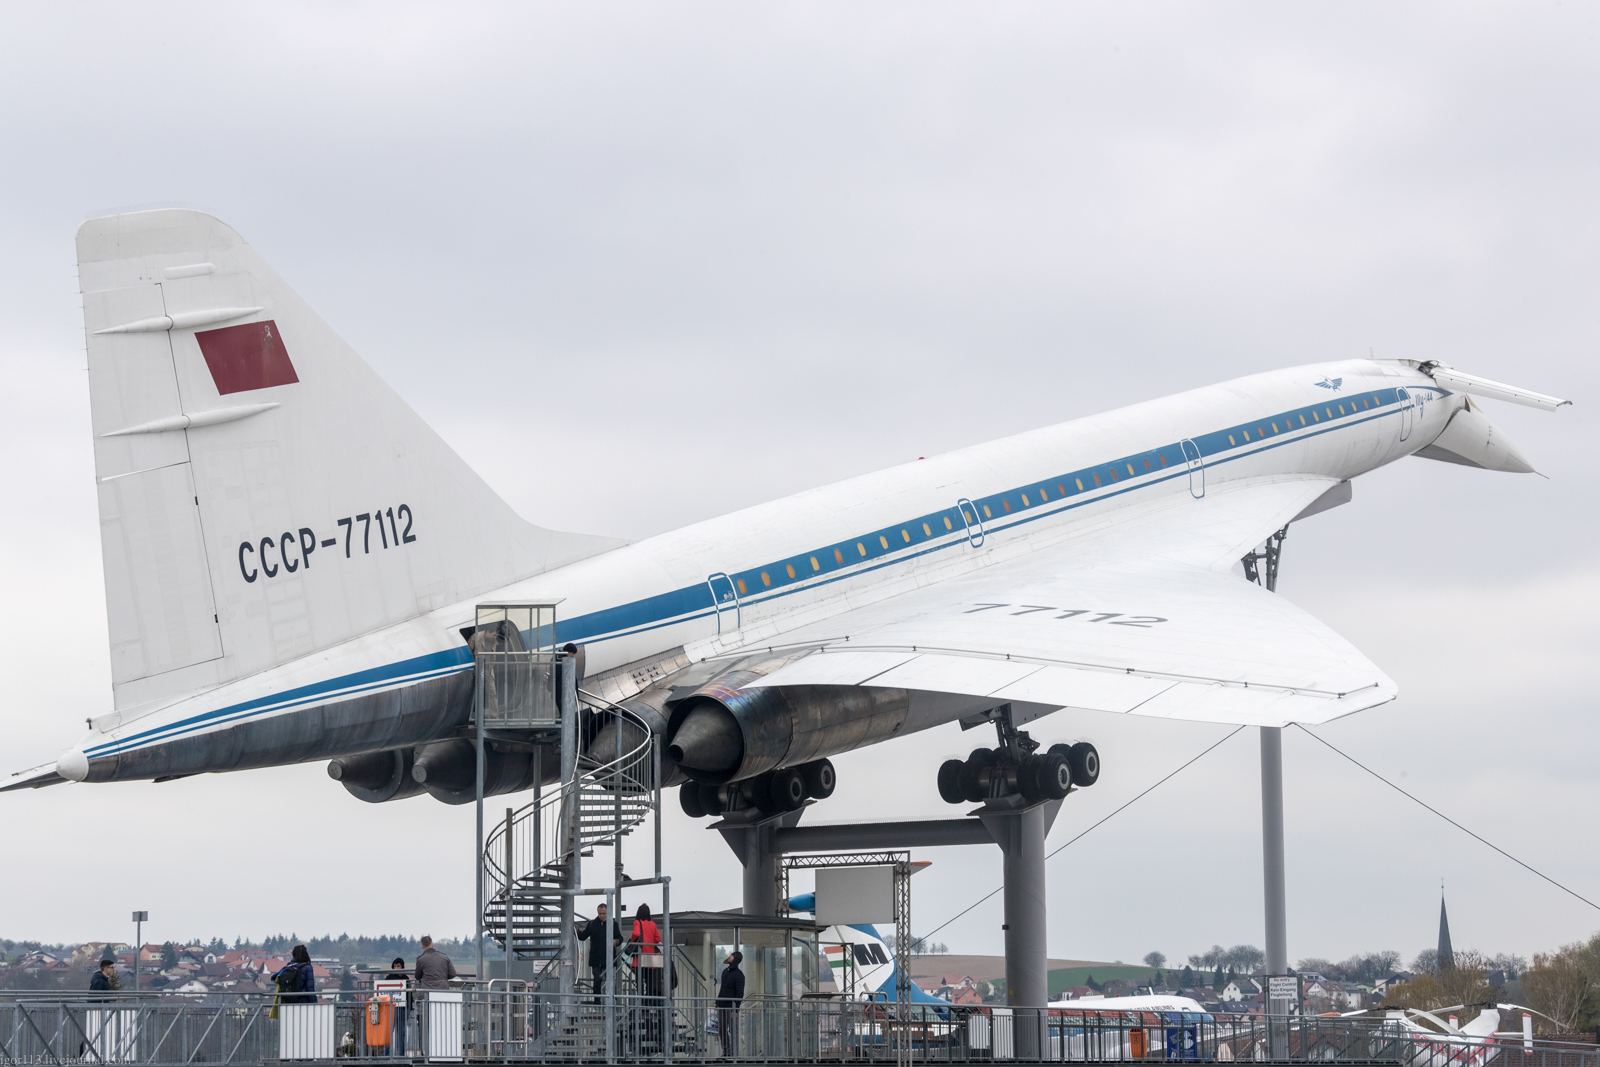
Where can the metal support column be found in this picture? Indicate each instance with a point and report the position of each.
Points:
(482, 874)
(1272, 876)
(760, 871)
(1021, 838)
(568, 703)
(669, 1026)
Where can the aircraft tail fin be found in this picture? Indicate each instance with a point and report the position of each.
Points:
(263, 494)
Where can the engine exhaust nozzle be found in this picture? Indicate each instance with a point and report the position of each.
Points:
(708, 744)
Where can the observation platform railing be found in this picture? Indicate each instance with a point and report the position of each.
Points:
(500, 1022)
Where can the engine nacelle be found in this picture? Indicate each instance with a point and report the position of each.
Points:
(445, 770)
(723, 732)
(377, 776)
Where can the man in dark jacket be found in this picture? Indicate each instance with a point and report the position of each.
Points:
(730, 991)
(434, 969)
(105, 979)
(594, 932)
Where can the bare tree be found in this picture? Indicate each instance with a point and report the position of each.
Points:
(1561, 985)
(1244, 958)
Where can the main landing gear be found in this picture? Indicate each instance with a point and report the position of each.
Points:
(774, 792)
(1018, 767)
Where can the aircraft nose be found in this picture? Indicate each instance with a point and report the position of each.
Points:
(73, 765)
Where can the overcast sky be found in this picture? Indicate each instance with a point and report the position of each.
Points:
(644, 264)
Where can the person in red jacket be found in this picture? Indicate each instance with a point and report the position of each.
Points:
(649, 964)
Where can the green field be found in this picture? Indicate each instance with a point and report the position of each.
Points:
(1071, 976)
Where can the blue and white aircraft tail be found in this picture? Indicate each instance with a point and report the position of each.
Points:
(860, 959)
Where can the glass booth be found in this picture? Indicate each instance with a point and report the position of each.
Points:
(780, 967)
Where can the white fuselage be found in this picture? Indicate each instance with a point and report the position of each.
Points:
(743, 579)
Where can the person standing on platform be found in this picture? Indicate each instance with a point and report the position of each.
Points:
(647, 962)
(434, 969)
(594, 932)
(297, 980)
(730, 991)
(401, 1001)
(105, 979)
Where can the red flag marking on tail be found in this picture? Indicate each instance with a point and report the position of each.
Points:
(246, 357)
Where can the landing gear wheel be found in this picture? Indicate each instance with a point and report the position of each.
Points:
(1085, 762)
(974, 787)
(1052, 775)
(788, 789)
(759, 790)
(710, 799)
(1028, 779)
(820, 779)
(689, 799)
(950, 790)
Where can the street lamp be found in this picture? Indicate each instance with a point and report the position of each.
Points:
(139, 919)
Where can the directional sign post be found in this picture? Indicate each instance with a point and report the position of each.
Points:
(139, 919)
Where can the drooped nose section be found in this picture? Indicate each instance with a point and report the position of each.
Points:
(708, 744)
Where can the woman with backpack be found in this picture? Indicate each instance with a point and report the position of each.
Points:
(297, 981)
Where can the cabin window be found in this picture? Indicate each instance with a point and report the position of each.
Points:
(1061, 489)
(947, 524)
(742, 589)
(861, 548)
(1314, 417)
(1096, 478)
(1007, 505)
(1024, 499)
(1231, 441)
(884, 541)
(1260, 432)
(1079, 481)
(815, 565)
(1274, 427)
(907, 535)
(790, 568)
(927, 531)
(838, 557)
(1341, 409)
(1246, 434)
(1328, 412)
(1147, 464)
(1130, 470)
(987, 513)
(765, 580)
(1163, 459)
(1302, 420)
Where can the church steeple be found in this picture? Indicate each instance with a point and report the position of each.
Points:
(1447, 956)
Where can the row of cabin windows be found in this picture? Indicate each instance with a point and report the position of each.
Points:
(968, 517)
(1366, 402)
(1044, 494)
(838, 554)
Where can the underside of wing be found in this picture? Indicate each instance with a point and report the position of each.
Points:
(1143, 617)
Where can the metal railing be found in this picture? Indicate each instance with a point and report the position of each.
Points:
(509, 1022)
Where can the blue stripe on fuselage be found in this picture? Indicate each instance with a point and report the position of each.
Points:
(697, 601)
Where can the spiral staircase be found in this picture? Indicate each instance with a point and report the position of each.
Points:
(529, 860)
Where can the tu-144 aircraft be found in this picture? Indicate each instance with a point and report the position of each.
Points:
(292, 556)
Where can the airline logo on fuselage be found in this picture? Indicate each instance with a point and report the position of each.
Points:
(1331, 383)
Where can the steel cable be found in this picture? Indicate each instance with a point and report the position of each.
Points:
(1097, 825)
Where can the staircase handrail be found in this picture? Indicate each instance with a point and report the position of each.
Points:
(623, 768)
